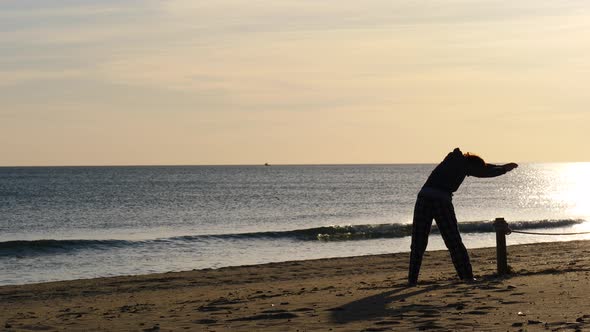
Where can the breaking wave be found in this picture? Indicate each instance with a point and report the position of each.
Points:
(325, 233)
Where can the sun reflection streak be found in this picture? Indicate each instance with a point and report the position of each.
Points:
(571, 189)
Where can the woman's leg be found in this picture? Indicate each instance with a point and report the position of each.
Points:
(444, 214)
(420, 230)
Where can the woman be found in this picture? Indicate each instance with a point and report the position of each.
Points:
(435, 202)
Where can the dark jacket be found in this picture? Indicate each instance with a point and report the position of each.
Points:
(451, 172)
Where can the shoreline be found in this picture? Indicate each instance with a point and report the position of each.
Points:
(547, 290)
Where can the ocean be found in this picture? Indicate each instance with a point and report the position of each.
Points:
(61, 223)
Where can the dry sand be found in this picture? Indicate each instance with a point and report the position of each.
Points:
(548, 291)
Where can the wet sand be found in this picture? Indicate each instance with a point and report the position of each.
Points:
(547, 291)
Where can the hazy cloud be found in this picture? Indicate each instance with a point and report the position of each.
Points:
(223, 71)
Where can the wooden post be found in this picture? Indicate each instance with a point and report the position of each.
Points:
(502, 229)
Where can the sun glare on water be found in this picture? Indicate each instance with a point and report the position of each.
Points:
(572, 188)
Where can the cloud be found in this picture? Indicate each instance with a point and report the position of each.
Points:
(220, 73)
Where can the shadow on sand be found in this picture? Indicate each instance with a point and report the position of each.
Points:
(390, 307)
(394, 306)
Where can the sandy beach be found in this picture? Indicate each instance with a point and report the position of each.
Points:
(547, 291)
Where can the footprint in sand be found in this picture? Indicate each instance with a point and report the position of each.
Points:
(388, 322)
(205, 321)
(267, 316)
(477, 312)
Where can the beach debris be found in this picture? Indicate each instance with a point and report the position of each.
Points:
(520, 313)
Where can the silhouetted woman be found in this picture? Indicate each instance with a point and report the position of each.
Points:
(435, 202)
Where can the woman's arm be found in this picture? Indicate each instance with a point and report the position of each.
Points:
(491, 170)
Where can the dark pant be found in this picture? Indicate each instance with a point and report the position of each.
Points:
(443, 212)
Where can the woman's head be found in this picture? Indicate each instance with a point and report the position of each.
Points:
(474, 160)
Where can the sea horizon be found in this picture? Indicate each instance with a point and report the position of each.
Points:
(79, 221)
(275, 164)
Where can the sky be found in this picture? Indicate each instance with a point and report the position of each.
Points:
(184, 82)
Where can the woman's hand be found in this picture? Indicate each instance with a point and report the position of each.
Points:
(510, 166)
